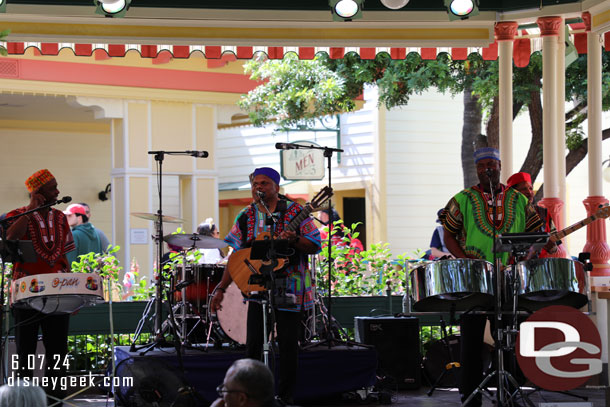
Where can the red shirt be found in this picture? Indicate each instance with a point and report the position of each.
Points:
(51, 238)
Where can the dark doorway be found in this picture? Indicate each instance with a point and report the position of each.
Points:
(354, 211)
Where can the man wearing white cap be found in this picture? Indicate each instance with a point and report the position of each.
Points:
(86, 238)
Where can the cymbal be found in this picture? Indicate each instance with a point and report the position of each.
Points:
(155, 217)
(195, 240)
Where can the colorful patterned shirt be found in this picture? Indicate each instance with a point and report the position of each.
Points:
(298, 276)
(51, 238)
(470, 214)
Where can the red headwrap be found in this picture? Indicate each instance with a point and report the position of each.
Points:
(517, 178)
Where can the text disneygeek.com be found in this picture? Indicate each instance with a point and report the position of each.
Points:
(67, 382)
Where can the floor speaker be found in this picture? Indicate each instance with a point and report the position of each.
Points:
(397, 342)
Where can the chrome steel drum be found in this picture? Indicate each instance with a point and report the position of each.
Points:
(459, 283)
(550, 281)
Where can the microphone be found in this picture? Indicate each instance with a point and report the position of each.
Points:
(65, 199)
(183, 284)
(285, 146)
(260, 194)
(198, 154)
(489, 172)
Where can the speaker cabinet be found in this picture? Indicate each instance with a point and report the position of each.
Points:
(396, 340)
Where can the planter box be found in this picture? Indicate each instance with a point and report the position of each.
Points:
(344, 309)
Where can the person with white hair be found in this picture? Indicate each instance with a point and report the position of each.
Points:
(209, 256)
(247, 383)
(18, 395)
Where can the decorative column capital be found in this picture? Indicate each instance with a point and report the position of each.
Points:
(586, 18)
(549, 26)
(505, 30)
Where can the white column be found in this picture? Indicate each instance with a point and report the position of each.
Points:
(549, 28)
(594, 120)
(505, 34)
(561, 122)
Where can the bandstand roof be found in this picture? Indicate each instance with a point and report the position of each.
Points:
(238, 29)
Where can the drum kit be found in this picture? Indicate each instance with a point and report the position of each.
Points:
(191, 286)
(471, 286)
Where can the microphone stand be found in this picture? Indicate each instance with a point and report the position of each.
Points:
(330, 340)
(267, 272)
(158, 323)
(501, 374)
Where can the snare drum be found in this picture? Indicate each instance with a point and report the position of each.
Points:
(550, 281)
(204, 278)
(461, 283)
(57, 293)
(230, 322)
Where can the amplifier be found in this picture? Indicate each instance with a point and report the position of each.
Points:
(396, 340)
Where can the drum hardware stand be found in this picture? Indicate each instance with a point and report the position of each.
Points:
(453, 362)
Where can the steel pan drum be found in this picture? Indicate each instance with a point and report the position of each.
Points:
(550, 281)
(459, 283)
(57, 293)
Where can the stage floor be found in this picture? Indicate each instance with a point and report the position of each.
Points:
(408, 398)
(323, 371)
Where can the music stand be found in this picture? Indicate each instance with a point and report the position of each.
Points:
(261, 248)
(21, 251)
(521, 242)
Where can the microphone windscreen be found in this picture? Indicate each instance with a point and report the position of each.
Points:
(66, 199)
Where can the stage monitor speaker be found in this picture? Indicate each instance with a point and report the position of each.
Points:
(397, 342)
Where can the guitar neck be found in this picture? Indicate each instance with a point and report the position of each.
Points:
(573, 228)
(296, 221)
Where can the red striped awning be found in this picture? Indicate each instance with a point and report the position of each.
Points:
(524, 46)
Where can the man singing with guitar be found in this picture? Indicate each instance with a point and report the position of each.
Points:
(293, 292)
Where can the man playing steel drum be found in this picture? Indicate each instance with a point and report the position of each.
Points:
(50, 234)
(469, 218)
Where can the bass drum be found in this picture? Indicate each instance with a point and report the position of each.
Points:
(459, 283)
(550, 281)
(230, 322)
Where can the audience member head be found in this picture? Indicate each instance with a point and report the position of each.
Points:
(440, 215)
(76, 214)
(329, 217)
(248, 383)
(19, 395)
(208, 228)
(87, 209)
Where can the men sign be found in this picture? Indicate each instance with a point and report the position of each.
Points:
(559, 348)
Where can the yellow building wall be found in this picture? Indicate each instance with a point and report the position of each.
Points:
(79, 160)
(138, 188)
(137, 128)
(172, 125)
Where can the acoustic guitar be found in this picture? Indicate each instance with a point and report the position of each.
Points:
(241, 267)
